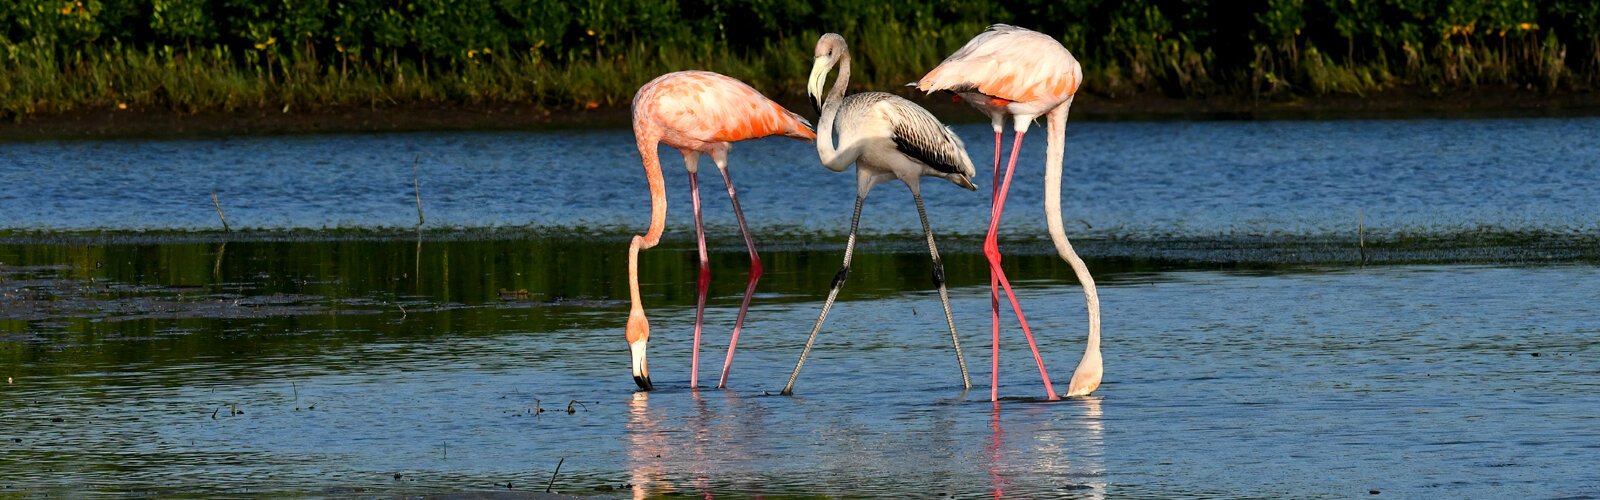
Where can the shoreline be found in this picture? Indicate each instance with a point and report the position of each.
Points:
(1399, 103)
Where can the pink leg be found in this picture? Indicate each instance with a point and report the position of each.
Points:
(755, 275)
(705, 281)
(990, 241)
(995, 270)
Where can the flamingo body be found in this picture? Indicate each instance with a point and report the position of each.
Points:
(703, 111)
(895, 138)
(1015, 70)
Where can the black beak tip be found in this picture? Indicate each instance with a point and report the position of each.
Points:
(644, 383)
(815, 105)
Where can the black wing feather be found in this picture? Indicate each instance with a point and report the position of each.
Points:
(925, 156)
(919, 135)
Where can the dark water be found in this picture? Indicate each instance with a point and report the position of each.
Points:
(1248, 350)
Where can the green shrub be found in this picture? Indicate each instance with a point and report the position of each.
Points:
(196, 55)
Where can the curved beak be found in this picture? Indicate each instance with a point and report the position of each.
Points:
(641, 369)
(819, 76)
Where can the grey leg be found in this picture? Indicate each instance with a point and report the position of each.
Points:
(838, 281)
(944, 296)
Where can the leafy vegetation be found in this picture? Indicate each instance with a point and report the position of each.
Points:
(224, 55)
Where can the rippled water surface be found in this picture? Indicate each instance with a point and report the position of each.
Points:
(1256, 342)
(1186, 179)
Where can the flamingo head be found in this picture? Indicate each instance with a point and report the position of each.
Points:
(638, 338)
(830, 48)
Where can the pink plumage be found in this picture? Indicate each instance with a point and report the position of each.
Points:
(1012, 64)
(694, 108)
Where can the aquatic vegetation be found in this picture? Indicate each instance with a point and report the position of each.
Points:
(227, 55)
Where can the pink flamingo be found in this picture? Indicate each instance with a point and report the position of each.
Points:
(697, 112)
(1008, 70)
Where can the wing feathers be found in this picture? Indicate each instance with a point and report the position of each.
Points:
(919, 135)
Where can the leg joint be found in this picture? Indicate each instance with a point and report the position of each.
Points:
(991, 252)
(838, 279)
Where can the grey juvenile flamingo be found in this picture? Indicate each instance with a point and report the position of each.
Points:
(886, 137)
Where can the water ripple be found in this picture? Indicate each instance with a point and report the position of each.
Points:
(1123, 180)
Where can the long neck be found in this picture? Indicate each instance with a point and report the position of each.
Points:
(832, 158)
(1054, 153)
(658, 210)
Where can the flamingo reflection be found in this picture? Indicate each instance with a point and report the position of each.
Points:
(671, 443)
(996, 440)
(648, 449)
(1075, 451)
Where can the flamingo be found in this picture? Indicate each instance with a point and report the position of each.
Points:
(886, 137)
(697, 112)
(1008, 70)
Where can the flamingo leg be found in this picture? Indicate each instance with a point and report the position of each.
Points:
(755, 275)
(995, 270)
(944, 296)
(705, 280)
(991, 241)
(838, 281)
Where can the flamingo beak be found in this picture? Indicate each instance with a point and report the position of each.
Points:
(641, 369)
(819, 76)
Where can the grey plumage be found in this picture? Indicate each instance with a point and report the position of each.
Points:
(914, 131)
(919, 135)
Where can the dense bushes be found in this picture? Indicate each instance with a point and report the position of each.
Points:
(193, 55)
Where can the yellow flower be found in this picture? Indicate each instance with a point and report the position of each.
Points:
(591, 32)
(472, 53)
(1526, 26)
(122, 105)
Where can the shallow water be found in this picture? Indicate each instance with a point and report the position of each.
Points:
(1248, 350)
(1412, 380)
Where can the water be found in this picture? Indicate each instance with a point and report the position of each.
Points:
(1248, 350)
(1124, 180)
